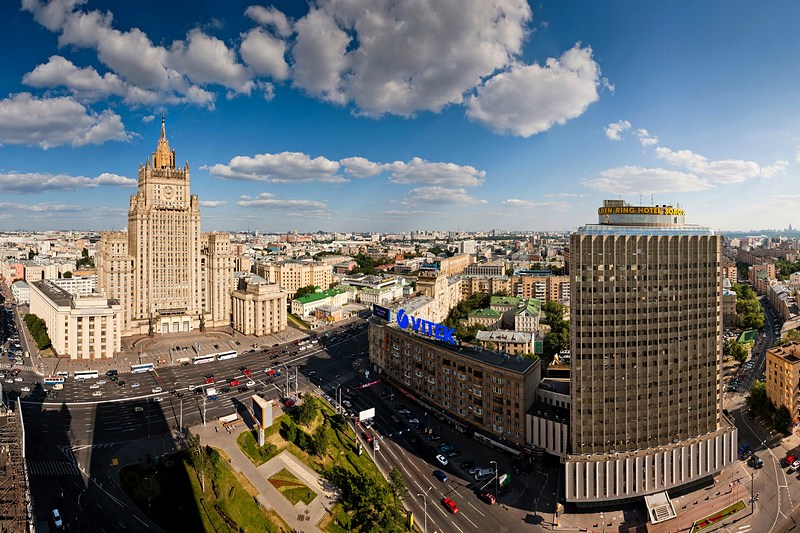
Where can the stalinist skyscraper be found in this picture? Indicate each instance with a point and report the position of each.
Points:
(168, 276)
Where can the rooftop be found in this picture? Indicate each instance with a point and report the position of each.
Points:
(504, 300)
(484, 313)
(504, 336)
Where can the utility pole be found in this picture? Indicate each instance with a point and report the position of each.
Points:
(425, 503)
(180, 424)
(495, 479)
(204, 411)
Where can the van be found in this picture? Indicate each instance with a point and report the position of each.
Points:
(58, 386)
(483, 473)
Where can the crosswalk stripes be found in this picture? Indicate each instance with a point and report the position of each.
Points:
(52, 468)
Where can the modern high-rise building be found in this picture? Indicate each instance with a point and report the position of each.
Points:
(645, 309)
(167, 276)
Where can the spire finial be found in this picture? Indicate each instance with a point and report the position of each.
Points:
(163, 127)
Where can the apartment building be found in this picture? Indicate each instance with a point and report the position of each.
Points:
(542, 285)
(488, 268)
(446, 292)
(476, 388)
(484, 285)
(783, 377)
(292, 274)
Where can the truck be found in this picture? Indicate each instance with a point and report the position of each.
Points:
(211, 392)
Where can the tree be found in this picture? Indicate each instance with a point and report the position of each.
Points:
(38, 330)
(31, 254)
(732, 348)
(397, 485)
(322, 440)
(307, 411)
(558, 339)
(757, 400)
(749, 314)
(302, 291)
(67, 275)
(198, 455)
(782, 419)
(85, 260)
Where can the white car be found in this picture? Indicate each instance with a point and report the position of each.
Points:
(347, 403)
(101, 382)
(442, 459)
(97, 393)
(94, 386)
(9, 381)
(251, 383)
(25, 389)
(156, 390)
(158, 399)
(18, 379)
(302, 348)
(135, 385)
(795, 465)
(57, 519)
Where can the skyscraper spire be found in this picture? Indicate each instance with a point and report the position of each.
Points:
(163, 128)
(163, 157)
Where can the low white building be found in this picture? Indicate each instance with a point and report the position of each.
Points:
(22, 292)
(307, 304)
(81, 326)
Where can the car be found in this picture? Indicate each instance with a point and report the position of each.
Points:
(435, 437)
(97, 393)
(311, 373)
(234, 382)
(9, 381)
(57, 519)
(243, 388)
(223, 390)
(790, 459)
(441, 476)
(17, 379)
(158, 399)
(795, 465)
(446, 447)
(414, 421)
(111, 373)
(247, 372)
(488, 497)
(135, 385)
(113, 378)
(197, 390)
(25, 389)
(121, 383)
(185, 363)
(442, 459)
(474, 470)
(756, 462)
(208, 380)
(101, 382)
(179, 394)
(138, 409)
(450, 505)
(269, 371)
(250, 383)
(347, 403)
(208, 376)
(156, 390)
(454, 453)
(94, 386)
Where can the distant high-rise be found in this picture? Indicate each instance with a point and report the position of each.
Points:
(167, 275)
(645, 297)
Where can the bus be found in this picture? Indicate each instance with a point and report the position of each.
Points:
(200, 359)
(85, 374)
(144, 367)
(227, 355)
(62, 374)
(53, 380)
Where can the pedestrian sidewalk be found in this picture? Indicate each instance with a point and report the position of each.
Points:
(300, 517)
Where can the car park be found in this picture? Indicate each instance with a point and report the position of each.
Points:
(441, 476)
(450, 505)
(442, 459)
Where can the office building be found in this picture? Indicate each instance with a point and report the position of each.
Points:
(167, 276)
(80, 326)
(259, 307)
(646, 356)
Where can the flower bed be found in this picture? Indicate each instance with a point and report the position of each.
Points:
(717, 517)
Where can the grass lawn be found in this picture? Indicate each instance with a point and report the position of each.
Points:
(171, 496)
(292, 488)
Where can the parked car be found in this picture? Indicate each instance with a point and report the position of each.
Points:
(441, 476)
(57, 519)
(488, 497)
(97, 393)
(442, 459)
(135, 385)
(755, 461)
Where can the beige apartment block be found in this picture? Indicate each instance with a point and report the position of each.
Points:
(168, 277)
(783, 377)
(484, 285)
(544, 288)
(291, 275)
(645, 355)
(453, 266)
(446, 292)
(475, 388)
(259, 308)
(80, 326)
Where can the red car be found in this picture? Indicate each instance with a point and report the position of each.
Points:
(235, 382)
(209, 380)
(451, 505)
(270, 372)
(247, 372)
(790, 459)
(488, 497)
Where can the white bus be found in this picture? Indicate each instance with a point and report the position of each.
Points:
(144, 367)
(200, 359)
(226, 355)
(54, 380)
(85, 374)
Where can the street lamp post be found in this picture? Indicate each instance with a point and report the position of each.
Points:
(425, 506)
(495, 478)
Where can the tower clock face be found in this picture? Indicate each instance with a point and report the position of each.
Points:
(169, 190)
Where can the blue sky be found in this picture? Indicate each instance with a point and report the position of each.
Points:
(371, 115)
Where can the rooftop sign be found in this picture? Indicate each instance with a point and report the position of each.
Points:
(641, 210)
(423, 327)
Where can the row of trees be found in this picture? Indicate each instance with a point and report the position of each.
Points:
(38, 330)
(749, 314)
(461, 312)
(558, 338)
(784, 268)
(372, 505)
(732, 348)
(761, 406)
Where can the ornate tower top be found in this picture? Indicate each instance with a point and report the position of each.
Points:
(163, 157)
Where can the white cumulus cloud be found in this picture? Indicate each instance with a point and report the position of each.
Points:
(360, 167)
(529, 99)
(39, 182)
(442, 195)
(47, 122)
(645, 139)
(635, 180)
(279, 168)
(270, 17)
(212, 203)
(724, 171)
(614, 130)
(264, 54)
(424, 172)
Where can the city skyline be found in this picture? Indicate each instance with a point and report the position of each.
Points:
(498, 115)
